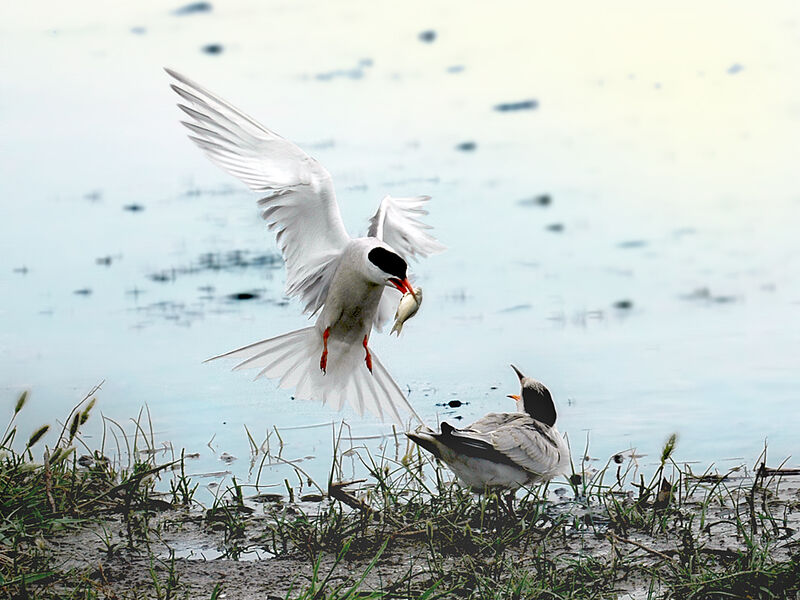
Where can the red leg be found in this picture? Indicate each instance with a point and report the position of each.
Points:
(323, 362)
(368, 357)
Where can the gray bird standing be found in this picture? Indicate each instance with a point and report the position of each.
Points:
(503, 451)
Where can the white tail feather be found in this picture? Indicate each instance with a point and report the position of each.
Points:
(293, 359)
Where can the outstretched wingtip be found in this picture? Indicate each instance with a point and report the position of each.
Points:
(184, 81)
(175, 75)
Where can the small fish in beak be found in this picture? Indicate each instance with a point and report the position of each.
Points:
(408, 307)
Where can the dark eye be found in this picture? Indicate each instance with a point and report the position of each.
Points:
(388, 262)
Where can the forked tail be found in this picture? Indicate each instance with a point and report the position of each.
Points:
(294, 359)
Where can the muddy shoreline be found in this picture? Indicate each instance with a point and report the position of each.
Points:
(240, 552)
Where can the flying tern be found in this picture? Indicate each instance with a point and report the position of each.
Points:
(350, 284)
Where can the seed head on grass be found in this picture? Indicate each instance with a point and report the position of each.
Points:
(23, 397)
(37, 435)
(669, 447)
(87, 410)
(73, 428)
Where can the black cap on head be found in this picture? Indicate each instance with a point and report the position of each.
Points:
(388, 262)
(536, 399)
(538, 402)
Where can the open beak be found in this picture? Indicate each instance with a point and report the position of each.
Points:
(514, 397)
(404, 285)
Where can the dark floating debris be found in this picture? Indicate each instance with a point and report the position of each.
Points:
(133, 207)
(23, 270)
(244, 296)
(104, 260)
(216, 261)
(428, 36)
(452, 403)
(623, 304)
(93, 196)
(163, 276)
(467, 146)
(555, 227)
(453, 69)
(735, 68)
(540, 200)
(193, 8)
(83, 292)
(213, 48)
(523, 105)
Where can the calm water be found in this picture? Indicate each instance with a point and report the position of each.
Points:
(656, 292)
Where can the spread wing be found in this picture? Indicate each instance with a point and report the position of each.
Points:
(300, 205)
(397, 223)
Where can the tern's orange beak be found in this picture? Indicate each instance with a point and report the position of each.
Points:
(404, 285)
(514, 397)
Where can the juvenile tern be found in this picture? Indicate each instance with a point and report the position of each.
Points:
(341, 279)
(503, 451)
